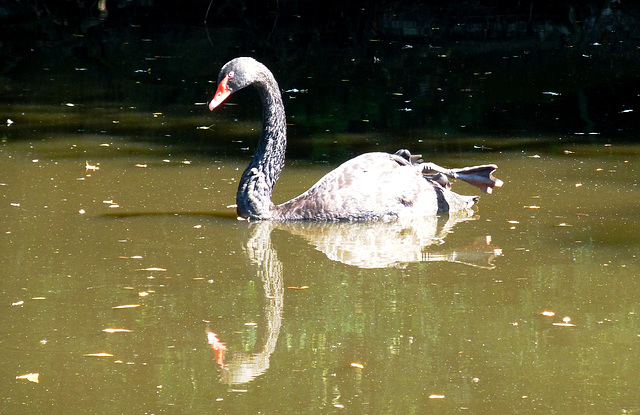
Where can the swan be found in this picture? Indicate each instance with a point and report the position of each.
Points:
(375, 185)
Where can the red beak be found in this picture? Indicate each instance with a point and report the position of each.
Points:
(221, 94)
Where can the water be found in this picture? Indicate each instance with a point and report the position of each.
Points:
(300, 308)
(122, 255)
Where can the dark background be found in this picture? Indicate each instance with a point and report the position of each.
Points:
(399, 70)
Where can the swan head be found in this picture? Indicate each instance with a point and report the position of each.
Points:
(236, 74)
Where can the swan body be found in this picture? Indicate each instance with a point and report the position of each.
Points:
(371, 186)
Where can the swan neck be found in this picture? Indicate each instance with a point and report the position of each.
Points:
(256, 186)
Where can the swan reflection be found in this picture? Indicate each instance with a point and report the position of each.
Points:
(377, 244)
(361, 244)
(242, 367)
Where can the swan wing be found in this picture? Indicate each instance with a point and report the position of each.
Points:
(373, 185)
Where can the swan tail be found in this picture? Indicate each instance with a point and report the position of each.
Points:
(480, 176)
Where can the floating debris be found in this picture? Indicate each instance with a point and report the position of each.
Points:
(436, 396)
(117, 330)
(31, 377)
(563, 325)
(125, 306)
(357, 365)
(91, 167)
(97, 355)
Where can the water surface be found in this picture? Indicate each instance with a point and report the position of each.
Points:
(314, 318)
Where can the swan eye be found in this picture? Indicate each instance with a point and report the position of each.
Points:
(230, 75)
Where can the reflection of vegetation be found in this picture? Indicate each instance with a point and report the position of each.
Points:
(483, 71)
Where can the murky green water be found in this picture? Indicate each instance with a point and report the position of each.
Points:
(444, 316)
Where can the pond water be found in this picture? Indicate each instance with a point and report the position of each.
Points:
(128, 285)
(490, 312)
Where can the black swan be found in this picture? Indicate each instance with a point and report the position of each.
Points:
(370, 186)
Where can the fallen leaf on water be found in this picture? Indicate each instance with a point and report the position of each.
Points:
(548, 313)
(117, 330)
(357, 365)
(31, 377)
(564, 324)
(38, 298)
(97, 355)
(126, 306)
(563, 225)
(532, 207)
(91, 167)
(143, 293)
(151, 269)
(250, 324)
(18, 303)
(141, 165)
(436, 396)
